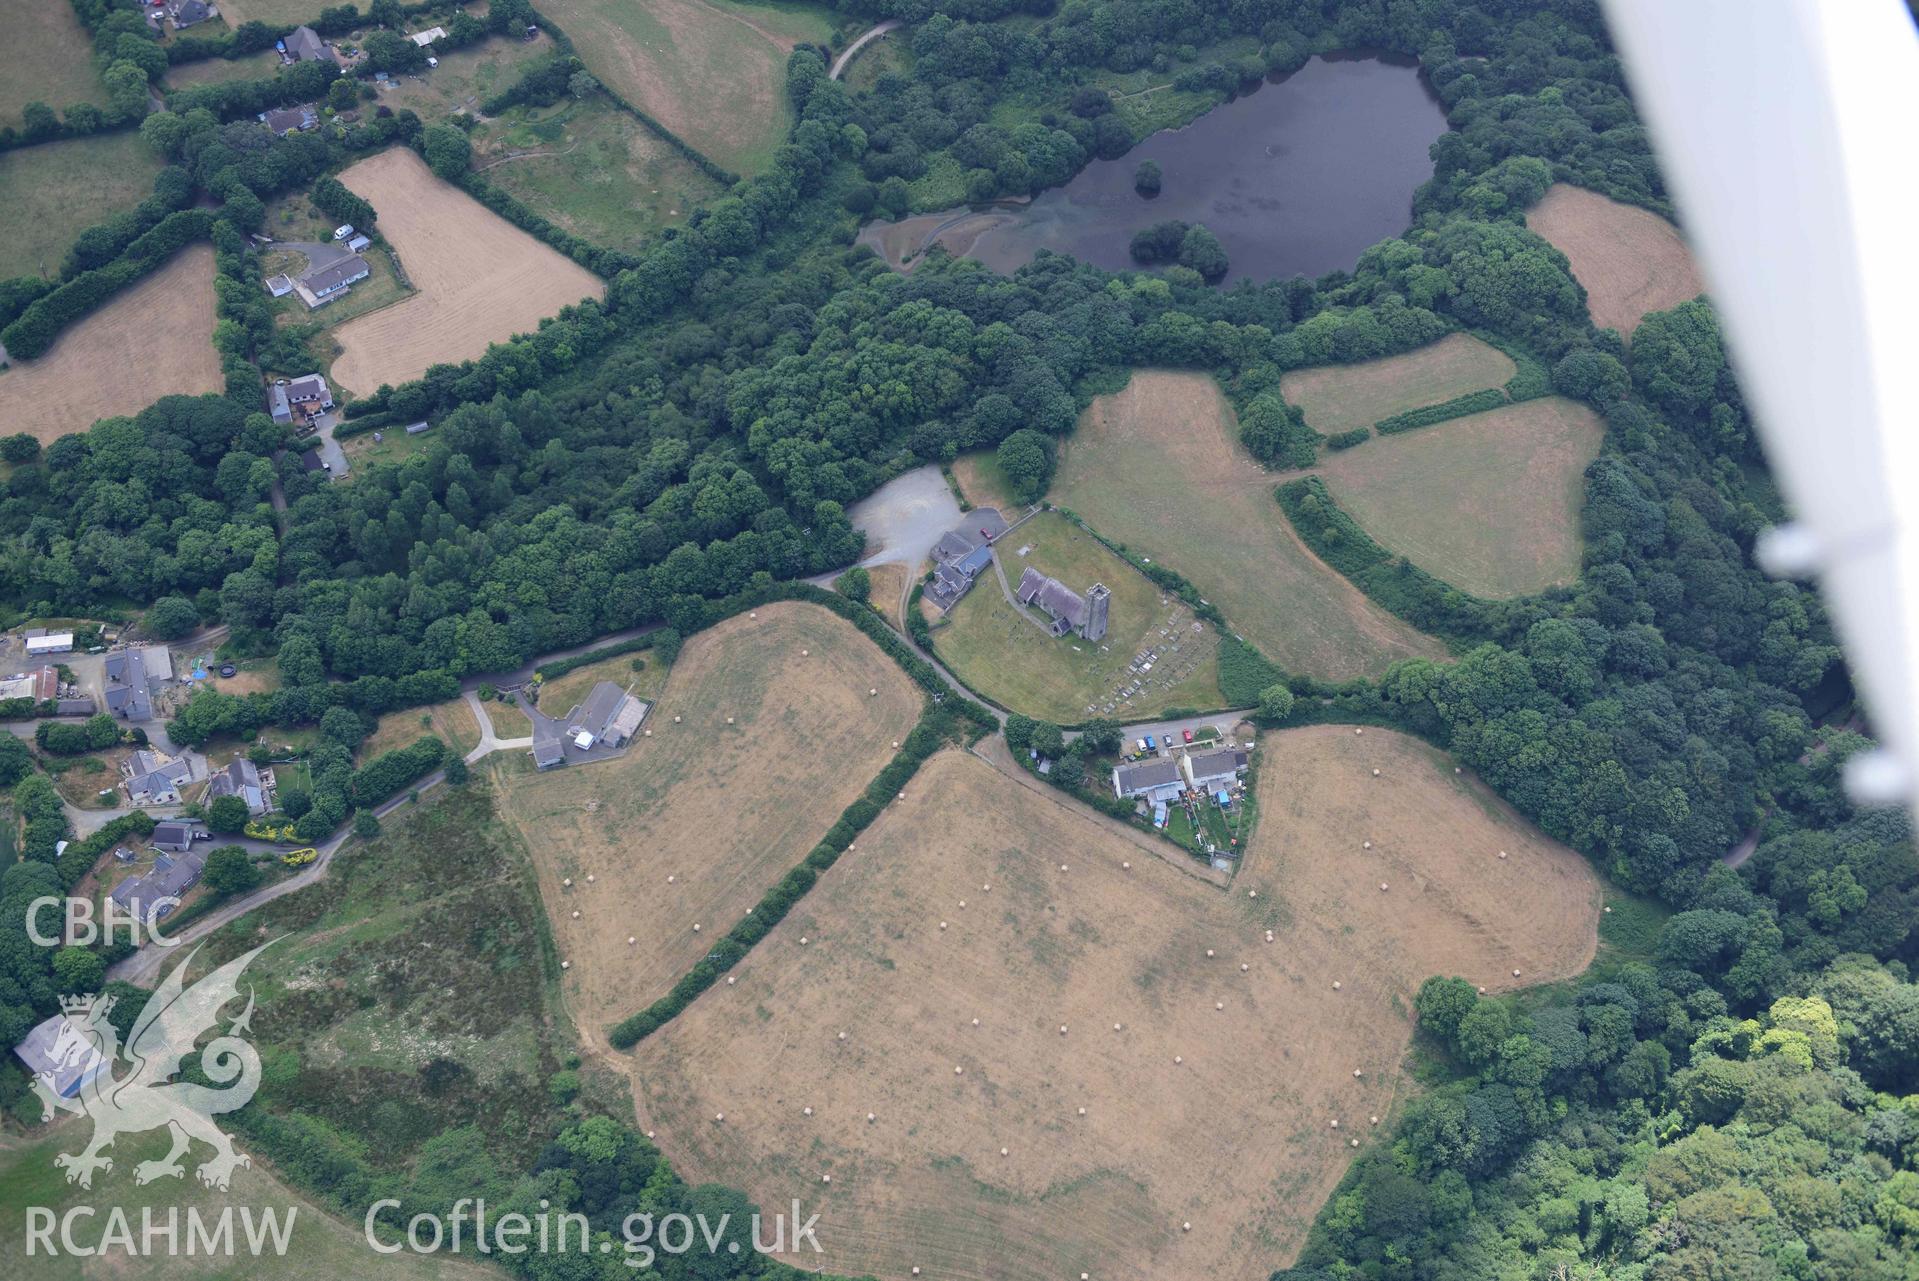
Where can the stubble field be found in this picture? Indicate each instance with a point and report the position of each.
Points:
(1489, 502)
(480, 279)
(152, 340)
(1159, 467)
(1338, 398)
(712, 71)
(1212, 1100)
(722, 809)
(1630, 260)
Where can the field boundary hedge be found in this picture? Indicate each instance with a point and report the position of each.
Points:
(41, 323)
(1473, 402)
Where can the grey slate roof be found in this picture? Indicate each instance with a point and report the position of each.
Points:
(241, 778)
(36, 1051)
(333, 278)
(1217, 766)
(1146, 778)
(172, 876)
(129, 692)
(1056, 598)
(304, 44)
(309, 387)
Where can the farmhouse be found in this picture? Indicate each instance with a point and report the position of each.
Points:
(152, 896)
(41, 641)
(1155, 780)
(309, 395)
(322, 285)
(1211, 771)
(961, 554)
(67, 1075)
(245, 780)
(132, 676)
(285, 120)
(1083, 616)
(305, 45)
(189, 13)
(154, 778)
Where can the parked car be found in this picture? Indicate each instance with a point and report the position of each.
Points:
(1142, 746)
(1151, 746)
(1187, 735)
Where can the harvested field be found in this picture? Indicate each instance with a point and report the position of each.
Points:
(1338, 398)
(1159, 467)
(724, 810)
(480, 279)
(999, 650)
(992, 1172)
(1489, 502)
(46, 57)
(712, 71)
(1630, 260)
(166, 318)
(41, 187)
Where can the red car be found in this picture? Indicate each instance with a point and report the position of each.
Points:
(1187, 734)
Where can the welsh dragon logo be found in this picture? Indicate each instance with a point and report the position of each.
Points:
(144, 1098)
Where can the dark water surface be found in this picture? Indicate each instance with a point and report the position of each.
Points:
(1297, 178)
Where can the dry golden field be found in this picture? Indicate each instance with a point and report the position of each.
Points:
(1489, 502)
(1630, 260)
(693, 824)
(956, 1128)
(152, 340)
(480, 279)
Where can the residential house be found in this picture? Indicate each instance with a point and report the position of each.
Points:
(309, 395)
(322, 285)
(285, 120)
(152, 896)
(67, 1075)
(244, 779)
(132, 676)
(154, 778)
(1156, 781)
(189, 13)
(1084, 616)
(305, 45)
(175, 835)
(277, 396)
(1212, 771)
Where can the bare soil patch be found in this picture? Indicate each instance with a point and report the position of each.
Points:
(152, 340)
(1217, 1117)
(480, 279)
(1489, 502)
(1159, 467)
(1630, 260)
(1338, 398)
(722, 809)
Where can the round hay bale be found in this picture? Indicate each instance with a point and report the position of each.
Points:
(1219, 1005)
(646, 733)
(1185, 1227)
(566, 965)
(959, 1071)
(805, 652)
(1177, 1060)
(731, 980)
(942, 924)
(842, 1036)
(630, 940)
(752, 613)
(807, 1112)
(1335, 985)
(1375, 773)
(1082, 1111)
(872, 693)
(671, 879)
(1116, 1027)
(1359, 731)
(1062, 867)
(696, 927)
(1608, 911)
(649, 1134)
(729, 720)
(975, 1022)
(719, 1116)
(1252, 893)
(676, 720)
(962, 905)
(589, 878)
(802, 940)
(1004, 1152)
(1335, 1123)
(1374, 1120)
(576, 913)
(1382, 887)
(1515, 973)
(1209, 951)
(1357, 1074)
(1355, 1142)
(1125, 867)
(870, 1118)
(568, 882)
(1244, 967)
(1365, 845)
(826, 1178)
(1062, 1029)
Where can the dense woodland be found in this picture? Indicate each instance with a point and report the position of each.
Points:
(1738, 1097)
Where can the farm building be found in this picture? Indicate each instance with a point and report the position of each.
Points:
(244, 779)
(285, 120)
(321, 286)
(427, 37)
(1070, 612)
(40, 641)
(150, 897)
(1211, 771)
(608, 715)
(154, 778)
(132, 675)
(40, 685)
(1156, 781)
(67, 1075)
(304, 45)
(962, 554)
(189, 13)
(309, 395)
(73, 707)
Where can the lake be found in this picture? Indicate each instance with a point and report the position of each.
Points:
(1297, 178)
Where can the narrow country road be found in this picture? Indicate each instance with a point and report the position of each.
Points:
(839, 63)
